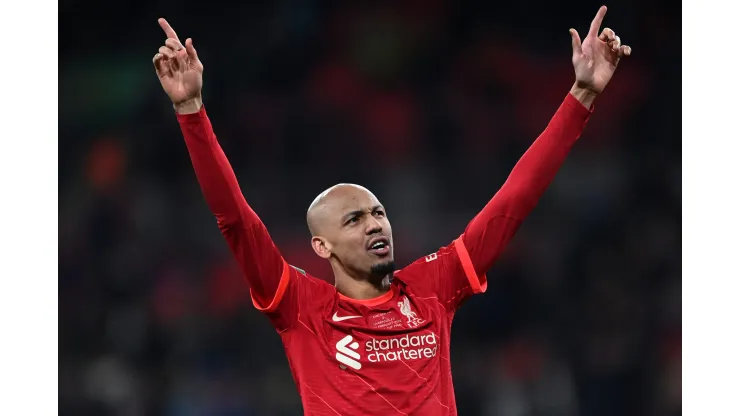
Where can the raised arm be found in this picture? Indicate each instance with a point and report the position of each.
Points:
(594, 61)
(181, 75)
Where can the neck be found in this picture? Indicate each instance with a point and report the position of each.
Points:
(359, 288)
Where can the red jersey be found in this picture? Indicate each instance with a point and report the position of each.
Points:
(388, 355)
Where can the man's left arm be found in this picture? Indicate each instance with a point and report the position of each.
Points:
(487, 235)
(458, 271)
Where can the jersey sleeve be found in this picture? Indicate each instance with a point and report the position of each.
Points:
(458, 271)
(489, 233)
(447, 274)
(268, 274)
(301, 294)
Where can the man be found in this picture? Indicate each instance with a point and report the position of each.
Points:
(378, 340)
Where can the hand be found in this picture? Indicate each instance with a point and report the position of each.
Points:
(179, 70)
(596, 59)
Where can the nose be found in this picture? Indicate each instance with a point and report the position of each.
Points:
(373, 226)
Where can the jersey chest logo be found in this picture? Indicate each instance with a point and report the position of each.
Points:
(347, 353)
(412, 320)
(407, 347)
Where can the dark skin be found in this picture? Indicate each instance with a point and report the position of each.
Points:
(345, 220)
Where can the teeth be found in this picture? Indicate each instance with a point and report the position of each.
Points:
(379, 244)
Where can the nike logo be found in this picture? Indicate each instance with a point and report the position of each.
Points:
(336, 318)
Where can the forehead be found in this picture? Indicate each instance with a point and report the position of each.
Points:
(346, 199)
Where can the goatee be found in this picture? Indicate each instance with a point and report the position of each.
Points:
(381, 270)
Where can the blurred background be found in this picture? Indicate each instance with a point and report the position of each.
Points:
(427, 103)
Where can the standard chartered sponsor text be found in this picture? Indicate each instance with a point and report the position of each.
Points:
(407, 347)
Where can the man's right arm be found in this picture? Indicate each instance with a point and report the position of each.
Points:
(260, 261)
(180, 72)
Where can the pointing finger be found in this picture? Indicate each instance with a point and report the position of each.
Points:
(167, 29)
(596, 23)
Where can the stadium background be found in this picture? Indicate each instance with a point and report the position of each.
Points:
(427, 103)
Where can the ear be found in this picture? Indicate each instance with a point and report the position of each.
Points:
(321, 247)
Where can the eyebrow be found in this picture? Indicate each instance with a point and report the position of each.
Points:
(357, 212)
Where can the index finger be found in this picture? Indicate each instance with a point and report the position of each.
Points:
(596, 24)
(168, 30)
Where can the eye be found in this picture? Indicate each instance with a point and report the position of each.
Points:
(353, 220)
(380, 213)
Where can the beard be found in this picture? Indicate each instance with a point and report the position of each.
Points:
(382, 270)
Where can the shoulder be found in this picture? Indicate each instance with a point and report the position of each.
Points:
(427, 271)
(309, 284)
(430, 262)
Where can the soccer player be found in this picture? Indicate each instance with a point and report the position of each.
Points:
(377, 342)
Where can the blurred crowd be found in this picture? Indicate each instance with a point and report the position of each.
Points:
(429, 104)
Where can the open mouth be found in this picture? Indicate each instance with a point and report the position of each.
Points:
(380, 246)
